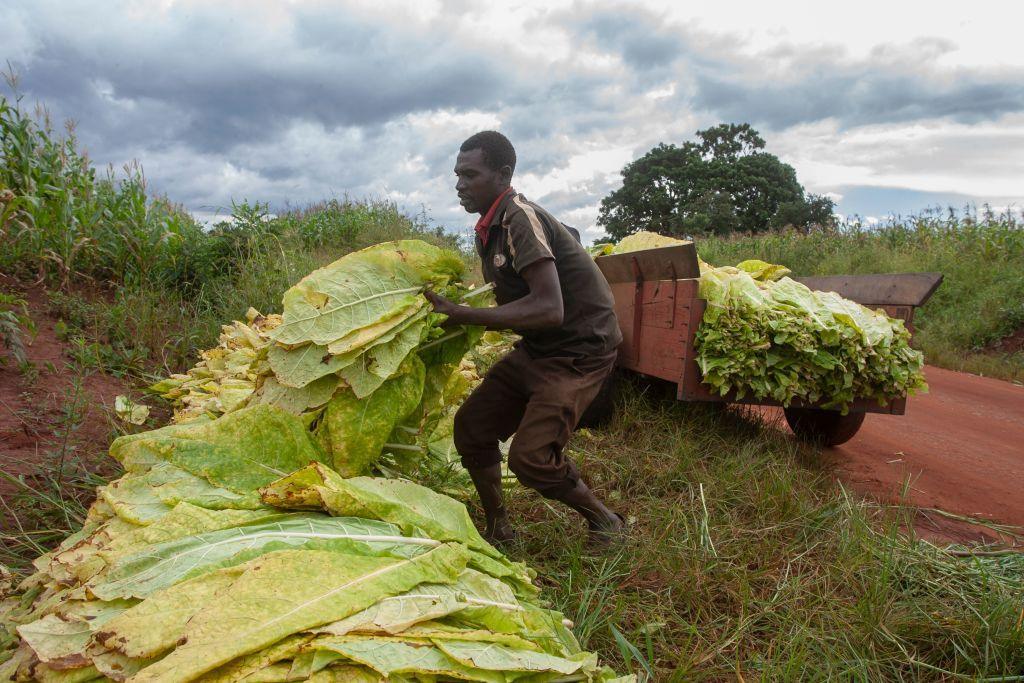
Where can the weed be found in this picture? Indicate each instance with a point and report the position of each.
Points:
(15, 323)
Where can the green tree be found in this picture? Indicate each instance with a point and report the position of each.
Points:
(722, 183)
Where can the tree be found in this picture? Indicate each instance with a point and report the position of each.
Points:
(723, 183)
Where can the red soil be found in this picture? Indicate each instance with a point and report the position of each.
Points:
(32, 410)
(958, 448)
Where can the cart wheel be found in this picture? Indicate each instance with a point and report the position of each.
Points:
(825, 427)
(600, 411)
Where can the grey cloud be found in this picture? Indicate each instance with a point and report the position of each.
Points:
(638, 35)
(859, 95)
(895, 84)
(790, 84)
(203, 81)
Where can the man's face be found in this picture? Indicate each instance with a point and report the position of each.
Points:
(479, 185)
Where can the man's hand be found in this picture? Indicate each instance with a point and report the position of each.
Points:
(542, 308)
(445, 306)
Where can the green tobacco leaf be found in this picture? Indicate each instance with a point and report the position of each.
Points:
(290, 591)
(130, 411)
(360, 340)
(248, 665)
(761, 270)
(297, 401)
(354, 674)
(413, 508)
(145, 498)
(168, 563)
(779, 340)
(57, 642)
(240, 451)
(391, 657)
(382, 362)
(356, 429)
(115, 665)
(395, 614)
(497, 657)
(440, 630)
(155, 625)
(46, 674)
(185, 519)
(361, 289)
(297, 367)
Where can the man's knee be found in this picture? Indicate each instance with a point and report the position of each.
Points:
(550, 477)
(476, 447)
(464, 432)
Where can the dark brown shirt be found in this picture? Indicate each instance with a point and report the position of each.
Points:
(522, 233)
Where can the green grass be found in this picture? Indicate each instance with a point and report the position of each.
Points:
(982, 259)
(745, 558)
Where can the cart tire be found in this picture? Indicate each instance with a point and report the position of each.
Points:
(600, 411)
(824, 427)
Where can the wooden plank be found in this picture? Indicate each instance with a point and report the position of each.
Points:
(622, 294)
(655, 344)
(665, 263)
(896, 289)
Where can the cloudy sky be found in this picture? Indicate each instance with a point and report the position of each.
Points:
(889, 106)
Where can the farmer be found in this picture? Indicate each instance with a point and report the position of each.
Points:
(550, 292)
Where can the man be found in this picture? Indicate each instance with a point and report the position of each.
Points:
(551, 293)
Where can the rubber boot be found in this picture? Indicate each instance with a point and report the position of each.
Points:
(605, 526)
(488, 485)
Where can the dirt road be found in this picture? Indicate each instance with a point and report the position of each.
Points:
(959, 448)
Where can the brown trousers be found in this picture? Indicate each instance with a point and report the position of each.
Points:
(540, 400)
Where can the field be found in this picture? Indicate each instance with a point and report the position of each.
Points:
(747, 559)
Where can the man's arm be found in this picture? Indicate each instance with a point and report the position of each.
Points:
(541, 308)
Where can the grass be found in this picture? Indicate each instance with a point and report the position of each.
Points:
(980, 301)
(746, 561)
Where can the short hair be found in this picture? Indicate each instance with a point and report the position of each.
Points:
(498, 151)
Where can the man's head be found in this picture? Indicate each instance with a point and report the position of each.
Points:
(484, 169)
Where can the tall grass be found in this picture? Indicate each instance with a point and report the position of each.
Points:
(141, 280)
(981, 257)
(63, 222)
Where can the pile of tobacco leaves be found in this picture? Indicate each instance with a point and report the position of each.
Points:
(242, 542)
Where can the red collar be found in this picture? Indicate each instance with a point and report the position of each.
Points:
(484, 223)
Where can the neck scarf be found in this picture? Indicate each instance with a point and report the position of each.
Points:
(484, 223)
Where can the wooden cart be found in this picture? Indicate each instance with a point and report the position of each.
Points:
(659, 309)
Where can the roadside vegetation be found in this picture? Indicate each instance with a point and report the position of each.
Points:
(746, 559)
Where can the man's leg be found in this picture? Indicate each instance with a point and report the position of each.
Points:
(490, 415)
(563, 388)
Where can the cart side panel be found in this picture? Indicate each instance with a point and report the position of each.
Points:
(655, 319)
